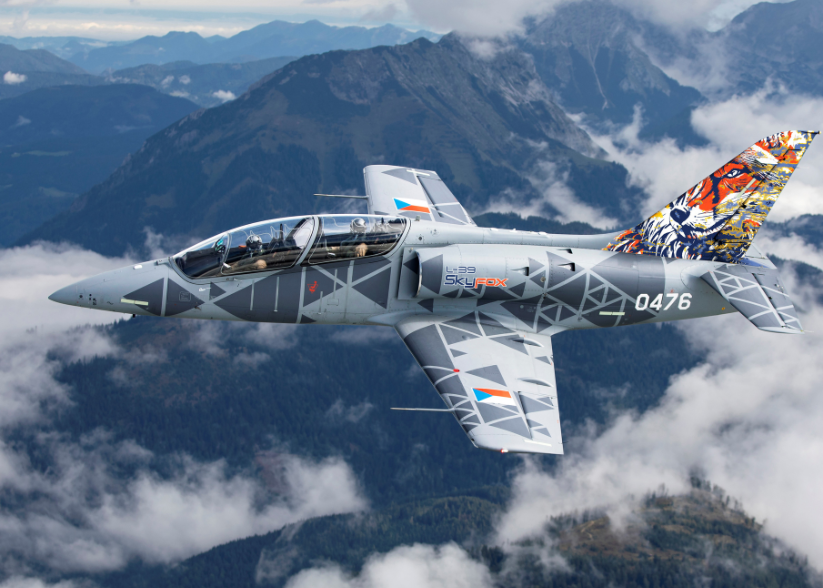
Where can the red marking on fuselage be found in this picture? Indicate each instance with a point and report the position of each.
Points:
(312, 287)
(415, 208)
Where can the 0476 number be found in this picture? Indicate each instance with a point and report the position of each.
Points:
(642, 303)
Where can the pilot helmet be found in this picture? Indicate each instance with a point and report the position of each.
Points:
(254, 242)
(358, 225)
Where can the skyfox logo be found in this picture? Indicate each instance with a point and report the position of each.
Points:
(453, 278)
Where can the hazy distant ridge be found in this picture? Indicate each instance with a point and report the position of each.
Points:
(274, 39)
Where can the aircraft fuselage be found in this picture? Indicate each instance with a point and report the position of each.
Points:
(555, 282)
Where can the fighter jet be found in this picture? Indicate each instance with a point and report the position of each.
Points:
(477, 307)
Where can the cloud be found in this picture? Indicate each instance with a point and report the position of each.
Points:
(30, 274)
(551, 184)
(157, 245)
(365, 335)
(251, 360)
(166, 81)
(224, 95)
(339, 412)
(214, 338)
(28, 582)
(21, 122)
(185, 80)
(94, 503)
(556, 200)
(168, 520)
(485, 18)
(747, 418)
(414, 566)
(492, 18)
(789, 247)
(83, 516)
(664, 170)
(271, 335)
(382, 14)
(12, 79)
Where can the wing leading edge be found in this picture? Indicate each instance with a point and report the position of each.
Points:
(499, 383)
(412, 193)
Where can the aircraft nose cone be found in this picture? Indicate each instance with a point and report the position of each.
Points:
(67, 295)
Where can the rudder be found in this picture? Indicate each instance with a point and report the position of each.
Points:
(718, 218)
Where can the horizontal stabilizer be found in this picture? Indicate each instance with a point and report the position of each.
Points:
(758, 294)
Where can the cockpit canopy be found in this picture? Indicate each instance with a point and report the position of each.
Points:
(279, 244)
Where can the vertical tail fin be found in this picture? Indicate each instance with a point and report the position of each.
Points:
(718, 218)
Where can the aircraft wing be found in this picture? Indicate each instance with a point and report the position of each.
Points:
(403, 191)
(499, 383)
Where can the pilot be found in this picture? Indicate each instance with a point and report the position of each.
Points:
(358, 230)
(359, 226)
(254, 243)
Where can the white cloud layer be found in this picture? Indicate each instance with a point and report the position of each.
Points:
(414, 566)
(30, 274)
(491, 17)
(100, 20)
(748, 418)
(28, 582)
(664, 170)
(81, 514)
(550, 181)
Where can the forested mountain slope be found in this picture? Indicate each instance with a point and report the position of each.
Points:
(312, 126)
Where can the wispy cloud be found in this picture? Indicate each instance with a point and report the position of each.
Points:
(339, 412)
(100, 503)
(665, 170)
(414, 566)
(747, 418)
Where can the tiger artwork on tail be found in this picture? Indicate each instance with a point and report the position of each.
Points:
(718, 218)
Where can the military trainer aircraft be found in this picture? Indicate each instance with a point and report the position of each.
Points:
(477, 307)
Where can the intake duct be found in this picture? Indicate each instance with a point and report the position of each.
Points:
(458, 272)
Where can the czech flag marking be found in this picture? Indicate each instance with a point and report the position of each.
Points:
(411, 207)
(492, 396)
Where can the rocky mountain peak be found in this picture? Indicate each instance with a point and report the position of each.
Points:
(591, 55)
(480, 121)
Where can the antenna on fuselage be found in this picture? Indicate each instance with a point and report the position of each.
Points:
(343, 196)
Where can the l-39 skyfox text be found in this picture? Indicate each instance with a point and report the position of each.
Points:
(477, 307)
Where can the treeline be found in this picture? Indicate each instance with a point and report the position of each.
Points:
(682, 541)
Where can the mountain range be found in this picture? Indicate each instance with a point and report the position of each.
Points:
(696, 538)
(311, 126)
(208, 85)
(57, 142)
(274, 39)
(588, 53)
(30, 69)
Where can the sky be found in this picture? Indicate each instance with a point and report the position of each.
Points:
(119, 20)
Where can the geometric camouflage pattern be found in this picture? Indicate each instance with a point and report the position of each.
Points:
(718, 218)
(477, 307)
(498, 382)
(758, 294)
(412, 193)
